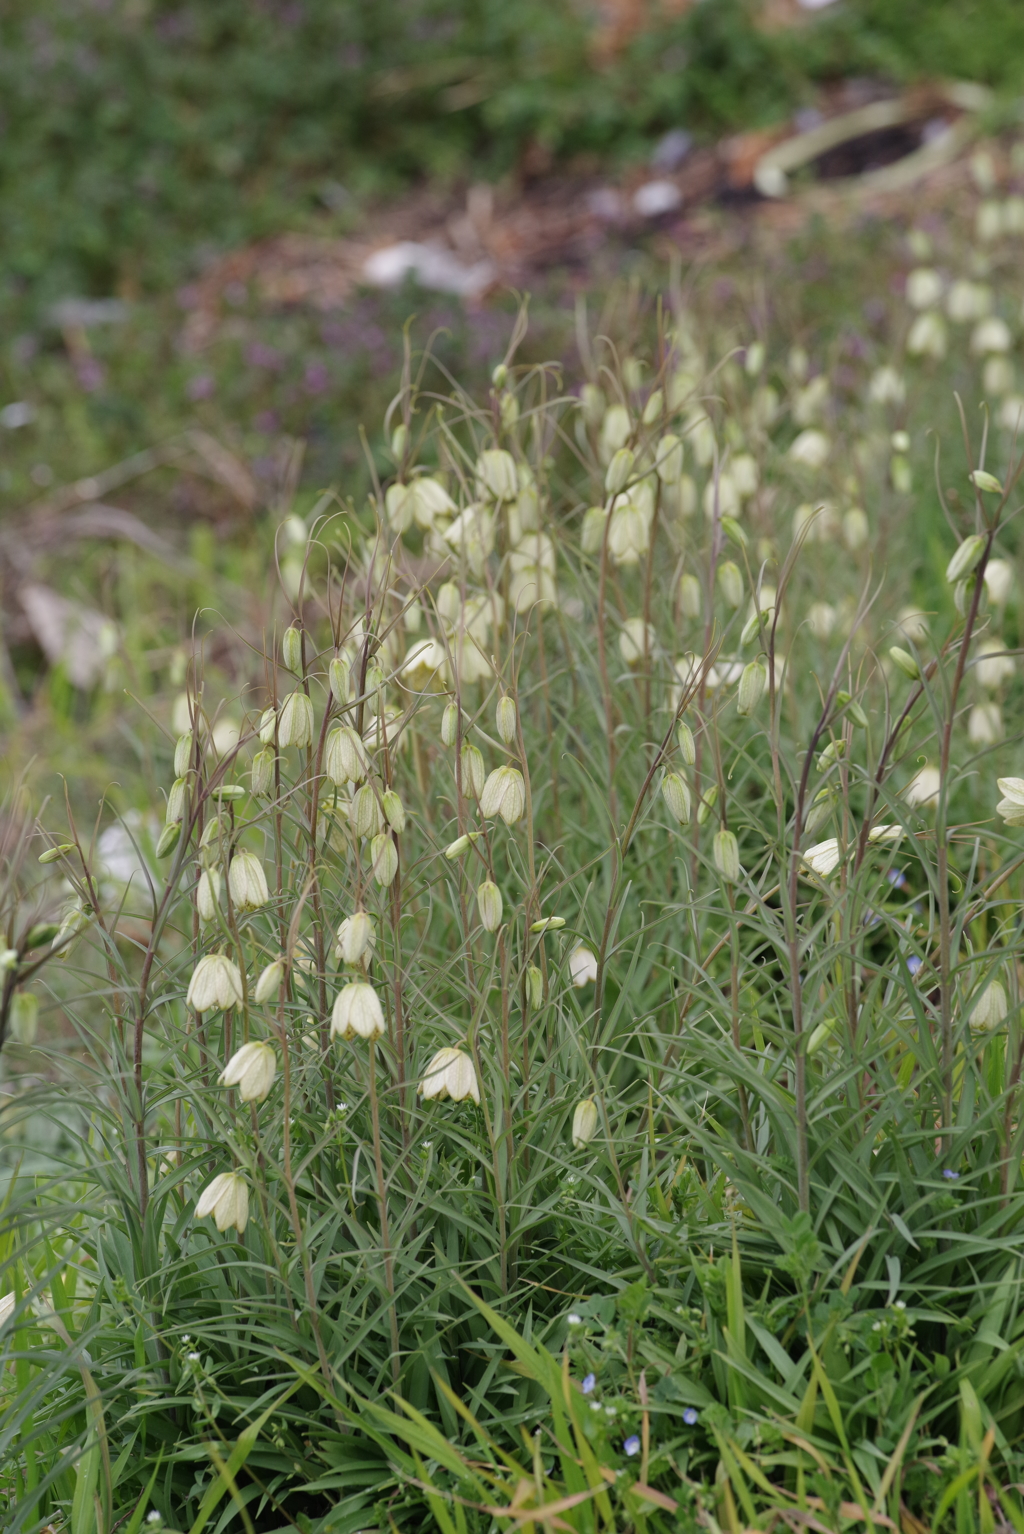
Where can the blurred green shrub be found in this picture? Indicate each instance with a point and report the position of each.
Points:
(136, 136)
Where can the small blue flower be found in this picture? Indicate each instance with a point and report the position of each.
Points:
(897, 878)
(914, 963)
(690, 1415)
(632, 1445)
(589, 1381)
(950, 1175)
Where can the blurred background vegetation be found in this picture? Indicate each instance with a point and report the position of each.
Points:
(141, 141)
(137, 138)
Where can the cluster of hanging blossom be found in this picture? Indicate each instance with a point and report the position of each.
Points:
(483, 524)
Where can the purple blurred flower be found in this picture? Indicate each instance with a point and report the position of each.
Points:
(914, 963)
(259, 355)
(632, 1445)
(200, 387)
(90, 374)
(690, 1415)
(589, 1381)
(267, 423)
(950, 1175)
(317, 378)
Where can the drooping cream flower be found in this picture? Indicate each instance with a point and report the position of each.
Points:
(345, 756)
(993, 666)
(355, 939)
(295, 723)
(451, 1073)
(1011, 805)
(357, 1012)
(251, 1069)
(991, 1007)
(426, 668)
(227, 1199)
(216, 985)
(247, 882)
(504, 794)
(922, 792)
(823, 858)
(584, 1123)
(582, 966)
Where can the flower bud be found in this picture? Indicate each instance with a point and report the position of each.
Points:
(42, 932)
(384, 859)
(247, 882)
(53, 854)
(905, 662)
(504, 794)
(727, 856)
(584, 1123)
(676, 794)
(227, 792)
(355, 939)
(592, 530)
(251, 1069)
(269, 983)
(291, 648)
(472, 770)
(176, 801)
(345, 756)
(618, 471)
(365, 815)
(338, 674)
(455, 849)
(490, 905)
(730, 583)
(295, 726)
(854, 712)
(169, 839)
(394, 810)
(687, 746)
(509, 411)
(268, 726)
(706, 803)
(833, 753)
(592, 403)
(449, 724)
(505, 718)
(734, 532)
(668, 459)
(653, 408)
(208, 894)
(753, 681)
(965, 558)
(23, 1018)
(262, 776)
(689, 596)
(982, 480)
(534, 986)
(821, 809)
(399, 441)
(183, 754)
